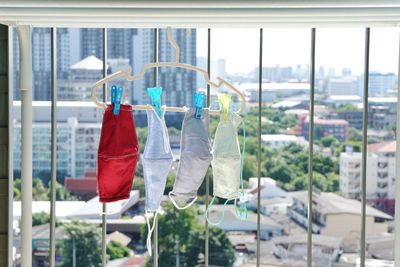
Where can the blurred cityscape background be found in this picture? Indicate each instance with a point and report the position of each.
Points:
(285, 134)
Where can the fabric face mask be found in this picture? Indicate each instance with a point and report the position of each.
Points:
(195, 157)
(227, 162)
(117, 155)
(157, 161)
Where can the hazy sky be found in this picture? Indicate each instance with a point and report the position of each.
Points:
(338, 48)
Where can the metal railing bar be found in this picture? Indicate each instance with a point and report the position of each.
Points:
(207, 236)
(311, 149)
(364, 149)
(53, 181)
(397, 203)
(104, 205)
(260, 66)
(155, 77)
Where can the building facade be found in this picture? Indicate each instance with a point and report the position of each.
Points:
(333, 215)
(77, 145)
(381, 175)
(323, 127)
(41, 60)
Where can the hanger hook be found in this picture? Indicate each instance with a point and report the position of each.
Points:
(173, 43)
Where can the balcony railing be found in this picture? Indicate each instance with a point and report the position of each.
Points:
(187, 13)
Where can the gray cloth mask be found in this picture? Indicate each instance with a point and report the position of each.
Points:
(195, 157)
(157, 161)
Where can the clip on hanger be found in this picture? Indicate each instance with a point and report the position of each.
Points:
(116, 97)
(199, 100)
(225, 101)
(155, 98)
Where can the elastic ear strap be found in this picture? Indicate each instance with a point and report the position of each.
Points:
(222, 212)
(176, 204)
(165, 135)
(150, 231)
(241, 212)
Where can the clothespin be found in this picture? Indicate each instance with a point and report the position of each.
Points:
(225, 101)
(117, 100)
(199, 100)
(113, 93)
(155, 98)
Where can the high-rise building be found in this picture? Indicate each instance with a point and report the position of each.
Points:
(41, 60)
(347, 85)
(379, 84)
(119, 43)
(78, 133)
(178, 84)
(91, 40)
(381, 175)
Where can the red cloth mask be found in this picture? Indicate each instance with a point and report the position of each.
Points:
(117, 155)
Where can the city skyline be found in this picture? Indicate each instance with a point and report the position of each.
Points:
(290, 47)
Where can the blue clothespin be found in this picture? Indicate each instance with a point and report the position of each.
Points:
(113, 93)
(199, 100)
(155, 98)
(117, 100)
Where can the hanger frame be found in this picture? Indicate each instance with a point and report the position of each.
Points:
(175, 64)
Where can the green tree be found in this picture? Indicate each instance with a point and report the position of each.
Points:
(354, 135)
(116, 250)
(183, 234)
(39, 191)
(221, 251)
(87, 241)
(40, 218)
(328, 141)
(62, 194)
(282, 173)
(249, 166)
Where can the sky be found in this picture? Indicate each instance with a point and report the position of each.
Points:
(337, 48)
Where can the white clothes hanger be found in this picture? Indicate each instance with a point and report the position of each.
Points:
(126, 74)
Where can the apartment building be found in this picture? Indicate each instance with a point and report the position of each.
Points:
(324, 127)
(77, 145)
(326, 249)
(381, 175)
(334, 215)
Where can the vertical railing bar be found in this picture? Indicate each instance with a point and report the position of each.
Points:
(104, 205)
(397, 203)
(207, 233)
(25, 79)
(364, 149)
(311, 150)
(260, 66)
(155, 233)
(53, 181)
(10, 146)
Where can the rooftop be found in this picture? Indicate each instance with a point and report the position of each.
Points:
(88, 63)
(17, 103)
(385, 147)
(92, 208)
(275, 86)
(320, 240)
(327, 121)
(286, 104)
(345, 97)
(63, 208)
(331, 203)
(279, 137)
(232, 223)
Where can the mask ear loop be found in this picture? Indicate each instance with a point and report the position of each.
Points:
(241, 212)
(176, 204)
(222, 212)
(150, 230)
